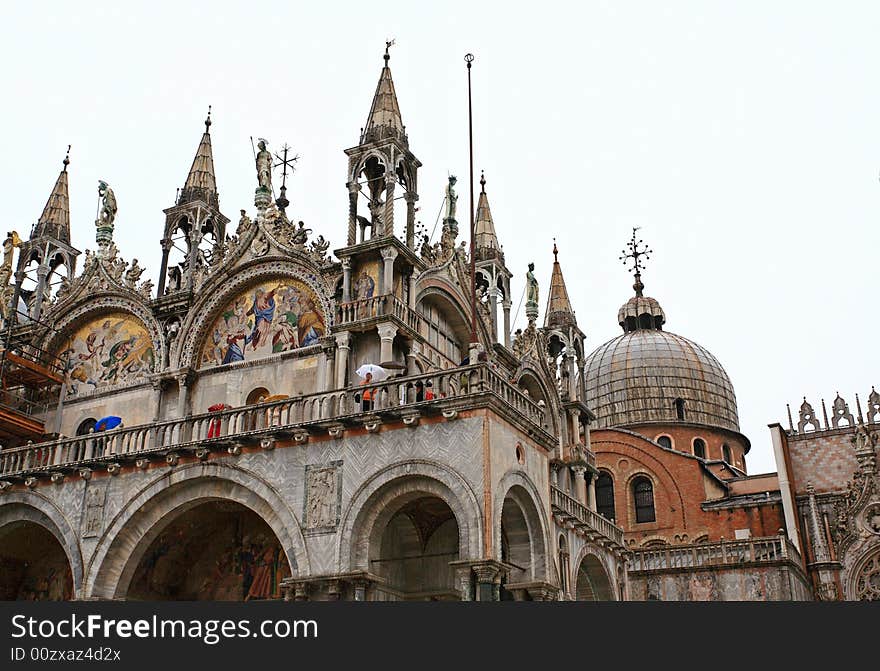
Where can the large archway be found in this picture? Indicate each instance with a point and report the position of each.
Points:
(592, 582)
(413, 550)
(33, 564)
(213, 551)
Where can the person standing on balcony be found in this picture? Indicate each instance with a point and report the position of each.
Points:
(367, 394)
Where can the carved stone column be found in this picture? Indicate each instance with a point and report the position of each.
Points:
(388, 256)
(591, 493)
(42, 274)
(411, 199)
(493, 310)
(346, 280)
(411, 358)
(488, 574)
(386, 335)
(343, 341)
(353, 191)
(163, 269)
(580, 484)
(329, 367)
(388, 219)
(506, 307)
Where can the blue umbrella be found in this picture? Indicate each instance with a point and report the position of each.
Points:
(107, 423)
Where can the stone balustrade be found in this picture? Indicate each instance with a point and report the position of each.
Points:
(400, 397)
(761, 550)
(572, 510)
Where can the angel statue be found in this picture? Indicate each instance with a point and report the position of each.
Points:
(451, 198)
(264, 166)
(108, 207)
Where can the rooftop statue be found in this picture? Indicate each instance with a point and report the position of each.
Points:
(264, 166)
(107, 209)
(451, 198)
(531, 294)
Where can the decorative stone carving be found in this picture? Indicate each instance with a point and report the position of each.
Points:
(323, 496)
(172, 459)
(202, 453)
(267, 443)
(807, 417)
(143, 463)
(260, 246)
(30, 482)
(234, 449)
(57, 477)
(867, 579)
(113, 468)
(873, 406)
(93, 516)
(840, 411)
(85, 473)
(4, 485)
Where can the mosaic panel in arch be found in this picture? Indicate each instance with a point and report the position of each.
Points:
(275, 316)
(111, 349)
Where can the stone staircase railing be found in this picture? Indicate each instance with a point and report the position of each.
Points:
(573, 510)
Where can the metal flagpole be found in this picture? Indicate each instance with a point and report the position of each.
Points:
(469, 58)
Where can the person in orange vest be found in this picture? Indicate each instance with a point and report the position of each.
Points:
(367, 394)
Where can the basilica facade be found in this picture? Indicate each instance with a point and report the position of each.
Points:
(215, 436)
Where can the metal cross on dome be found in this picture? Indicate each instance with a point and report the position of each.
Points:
(636, 253)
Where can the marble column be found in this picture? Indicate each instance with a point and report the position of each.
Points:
(388, 219)
(386, 336)
(388, 256)
(353, 191)
(580, 484)
(163, 269)
(39, 292)
(346, 280)
(506, 304)
(411, 199)
(343, 341)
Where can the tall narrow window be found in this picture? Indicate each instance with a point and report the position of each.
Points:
(605, 495)
(679, 408)
(643, 493)
(700, 448)
(725, 453)
(563, 565)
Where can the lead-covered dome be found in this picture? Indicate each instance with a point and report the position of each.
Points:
(651, 375)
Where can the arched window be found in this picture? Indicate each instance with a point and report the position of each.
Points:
(679, 408)
(725, 453)
(257, 396)
(665, 441)
(700, 448)
(85, 427)
(643, 493)
(605, 495)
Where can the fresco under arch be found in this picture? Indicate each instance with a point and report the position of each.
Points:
(278, 315)
(109, 350)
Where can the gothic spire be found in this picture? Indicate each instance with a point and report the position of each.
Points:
(486, 240)
(201, 183)
(384, 119)
(55, 220)
(559, 312)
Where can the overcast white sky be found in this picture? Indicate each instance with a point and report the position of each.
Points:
(742, 137)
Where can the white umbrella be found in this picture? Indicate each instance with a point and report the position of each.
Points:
(377, 372)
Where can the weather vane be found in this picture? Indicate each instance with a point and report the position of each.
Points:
(284, 163)
(388, 44)
(636, 253)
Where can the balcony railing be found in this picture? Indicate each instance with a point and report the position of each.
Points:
(278, 417)
(762, 550)
(582, 516)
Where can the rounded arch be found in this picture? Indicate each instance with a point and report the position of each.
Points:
(518, 504)
(449, 304)
(377, 500)
(641, 498)
(32, 507)
(130, 533)
(90, 307)
(592, 579)
(219, 291)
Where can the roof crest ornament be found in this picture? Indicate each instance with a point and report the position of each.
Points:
(636, 253)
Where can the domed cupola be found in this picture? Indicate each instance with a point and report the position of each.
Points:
(651, 376)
